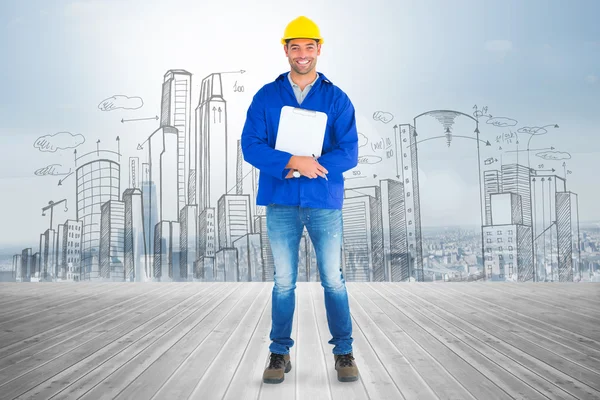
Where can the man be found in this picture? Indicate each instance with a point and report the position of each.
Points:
(301, 191)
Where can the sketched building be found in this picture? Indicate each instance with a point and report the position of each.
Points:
(189, 242)
(112, 241)
(49, 267)
(567, 226)
(507, 241)
(491, 184)
(249, 257)
(363, 236)
(150, 205)
(407, 165)
(98, 181)
(135, 245)
(205, 252)
(26, 265)
(167, 252)
(211, 137)
(176, 112)
(260, 227)
(233, 218)
(163, 174)
(397, 260)
(70, 251)
(545, 189)
(515, 179)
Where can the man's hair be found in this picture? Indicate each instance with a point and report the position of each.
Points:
(287, 41)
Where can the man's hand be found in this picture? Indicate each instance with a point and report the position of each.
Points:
(307, 166)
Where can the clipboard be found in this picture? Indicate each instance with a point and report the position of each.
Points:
(301, 132)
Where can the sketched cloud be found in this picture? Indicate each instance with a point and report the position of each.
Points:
(501, 122)
(58, 141)
(121, 101)
(52, 169)
(533, 130)
(382, 116)
(554, 155)
(362, 140)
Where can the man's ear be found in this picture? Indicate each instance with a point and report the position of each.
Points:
(285, 48)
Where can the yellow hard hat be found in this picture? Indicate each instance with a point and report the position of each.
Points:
(302, 28)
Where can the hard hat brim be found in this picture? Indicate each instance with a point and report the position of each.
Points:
(320, 40)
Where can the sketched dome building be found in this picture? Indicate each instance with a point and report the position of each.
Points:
(98, 181)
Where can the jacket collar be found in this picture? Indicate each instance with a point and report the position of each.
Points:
(322, 78)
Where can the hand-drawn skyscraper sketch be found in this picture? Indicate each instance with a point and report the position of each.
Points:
(135, 238)
(112, 241)
(98, 181)
(176, 112)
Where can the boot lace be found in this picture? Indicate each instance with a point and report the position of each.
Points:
(277, 361)
(345, 360)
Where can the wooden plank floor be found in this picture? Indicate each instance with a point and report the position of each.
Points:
(210, 341)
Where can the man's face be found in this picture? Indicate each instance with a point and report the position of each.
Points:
(302, 55)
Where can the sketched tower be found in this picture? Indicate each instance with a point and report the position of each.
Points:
(98, 181)
(176, 112)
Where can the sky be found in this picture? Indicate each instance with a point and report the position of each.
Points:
(535, 62)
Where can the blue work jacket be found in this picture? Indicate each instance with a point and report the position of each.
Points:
(339, 152)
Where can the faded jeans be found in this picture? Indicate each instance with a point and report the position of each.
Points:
(285, 225)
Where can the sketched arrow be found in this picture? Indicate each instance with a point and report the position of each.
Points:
(119, 147)
(75, 156)
(220, 114)
(60, 181)
(139, 119)
(241, 71)
(545, 170)
(515, 151)
(98, 147)
(486, 142)
(214, 114)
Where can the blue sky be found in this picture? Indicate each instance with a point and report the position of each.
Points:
(537, 62)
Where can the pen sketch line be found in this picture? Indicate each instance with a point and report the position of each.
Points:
(139, 119)
(51, 170)
(383, 116)
(58, 141)
(120, 101)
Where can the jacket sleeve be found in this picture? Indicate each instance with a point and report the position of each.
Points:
(344, 156)
(254, 142)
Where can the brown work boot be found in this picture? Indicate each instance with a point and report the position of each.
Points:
(278, 365)
(346, 367)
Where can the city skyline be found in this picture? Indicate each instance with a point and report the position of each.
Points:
(191, 227)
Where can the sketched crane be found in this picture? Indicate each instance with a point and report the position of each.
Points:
(50, 206)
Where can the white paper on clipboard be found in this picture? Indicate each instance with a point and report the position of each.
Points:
(301, 132)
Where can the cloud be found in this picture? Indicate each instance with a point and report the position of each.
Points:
(591, 78)
(535, 130)
(52, 169)
(501, 122)
(498, 46)
(554, 155)
(121, 101)
(58, 141)
(362, 140)
(369, 159)
(382, 116)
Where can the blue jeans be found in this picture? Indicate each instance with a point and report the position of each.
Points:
(285, 225)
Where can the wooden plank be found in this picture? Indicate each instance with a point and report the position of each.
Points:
(145, 374)
(528, 294)
(84, 371)
(477, 383)
(146, 341)
(286, 389)
(110, 336)
(218, 374)
(34, 323)
(41, 304)
(19, 351)
(247, 377)
(24, 296)
(339, 390)
(376, 380)
(561, 344)
(537, 359)
(541, 317)
(482, 291)
(518, 381)
(435, 375)
(181, 382)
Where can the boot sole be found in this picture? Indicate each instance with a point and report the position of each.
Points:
(347, 378)
(288, 368)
